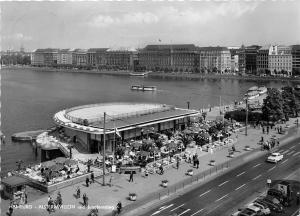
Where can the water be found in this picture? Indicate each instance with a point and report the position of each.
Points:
(30, 99)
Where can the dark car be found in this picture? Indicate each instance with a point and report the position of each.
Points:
(271, 205)
(280, 196)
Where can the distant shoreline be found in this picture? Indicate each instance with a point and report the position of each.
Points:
(162, 74)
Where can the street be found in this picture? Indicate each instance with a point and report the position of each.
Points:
(226, 193)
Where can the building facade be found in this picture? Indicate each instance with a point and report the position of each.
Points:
(214, 59)
(65, 57)
(96, 57)
(296, 60)
(121, 58)
(44, 57)
(262, 60)
(177, 57)
(280, 60)
(79, 57)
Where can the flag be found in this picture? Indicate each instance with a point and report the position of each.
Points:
(118, 132)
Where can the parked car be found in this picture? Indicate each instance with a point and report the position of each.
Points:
(275, 157)
(257, 210)
(280, 196)
(275, 202)
(247, 212)
(271, 205)
(264, 209)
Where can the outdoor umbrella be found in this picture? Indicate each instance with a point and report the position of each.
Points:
(60, 160)
(48, 163)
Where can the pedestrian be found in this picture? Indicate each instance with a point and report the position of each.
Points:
(110, 181)
(131, 176)
(269, 181)
(25, 195)
(92, 177)
(262, 139)
(263, 130)
(194, 160)
(278, 143)
(78, 192)
(177, 163)
(197, 163)
(85, 200)
(233, 148)
(298, 198)
(87, 181)
(10, 209)
(59, 199)
(119, 207)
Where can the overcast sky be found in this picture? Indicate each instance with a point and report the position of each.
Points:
(136, 24)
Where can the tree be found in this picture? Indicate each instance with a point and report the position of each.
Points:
(273, 105)
(201, 138)
(185, 139)
(289, 101)
(297, 100)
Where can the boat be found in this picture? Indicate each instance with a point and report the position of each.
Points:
(143, 88)
(140, 74)
(253, 88)
(251, 95)
(262, 90)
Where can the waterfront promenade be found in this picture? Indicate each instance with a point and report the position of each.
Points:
(148, 189)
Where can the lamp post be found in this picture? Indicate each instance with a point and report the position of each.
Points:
(246, 133)
(103, 175)
(188, 104)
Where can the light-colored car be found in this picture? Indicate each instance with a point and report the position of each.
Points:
(259, 208)
(275, 157)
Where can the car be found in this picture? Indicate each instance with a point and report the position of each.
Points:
(275, 157)
(278, 195)
(271, 206)
(257, 210)
(264, 209)
(278, 206)
(247, 212)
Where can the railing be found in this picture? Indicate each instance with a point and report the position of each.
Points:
(160, 108)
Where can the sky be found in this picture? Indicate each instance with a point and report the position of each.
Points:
(114, 24)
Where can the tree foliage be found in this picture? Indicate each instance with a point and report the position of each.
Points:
(273, 105)
(289, 101)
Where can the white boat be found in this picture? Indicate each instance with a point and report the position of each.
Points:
(262, 90)
(253, 88)
(251, 95)
(143, 88)
(140, 74)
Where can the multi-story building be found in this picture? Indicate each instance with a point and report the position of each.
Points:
(296, 59)
(177, 57)
(262, 60)
(215, 59)
(65, 57)
(79, 57)
(280, 59)
(234, 59)
(37, 58)
(96, 57)
(45, 57)
(121, 58)
(247, 59)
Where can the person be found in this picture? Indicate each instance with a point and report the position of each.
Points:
(161, 169)
(197, 163)
(263, 130)
(233, 148)
(50, 204)
(177, 163)
(119, 207)
(10, 209)
(59, 199)
(110, 181)
(194, 160)
(131, 176)
(25, 195)
(78, 192)
(269, 181)
(298, 198)
(92, 177)
(87, 181)
(77, 169)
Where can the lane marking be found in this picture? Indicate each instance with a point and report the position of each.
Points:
(197, 212)
(221, 198)
(271, 168)
(256, 177)
(184, 212)
(281, 150)
(292, 147)
(240, 174)
(285, 152)
(223, 183)
(204, 193)
(177, 207)
(155, 213)
(291, 152)
(240, 186)
(284, 161)
(257, 165)
(296, 153)
(165, 207)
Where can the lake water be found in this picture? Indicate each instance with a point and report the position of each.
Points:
(30, 99)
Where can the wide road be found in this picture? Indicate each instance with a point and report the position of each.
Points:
(225, 193)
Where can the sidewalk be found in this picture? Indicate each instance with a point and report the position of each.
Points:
(106, 197)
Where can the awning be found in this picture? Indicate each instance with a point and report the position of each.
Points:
(14, 181)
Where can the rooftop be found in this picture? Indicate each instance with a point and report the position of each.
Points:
(13, 181)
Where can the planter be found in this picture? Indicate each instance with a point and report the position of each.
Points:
(212, 163)
(132, 196)
(164, 183)
(190, 172)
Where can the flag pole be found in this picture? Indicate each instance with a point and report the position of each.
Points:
(104, 128)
